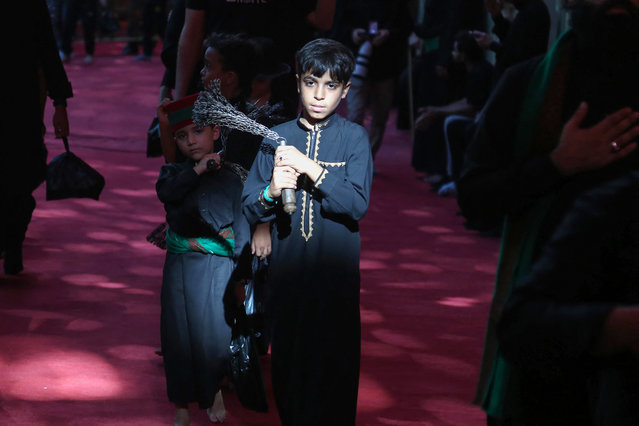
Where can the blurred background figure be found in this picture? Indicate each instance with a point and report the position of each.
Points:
(73, 11)
(146, 19)
(36, 73)
(377, 32)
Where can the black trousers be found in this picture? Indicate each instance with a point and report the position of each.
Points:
(72, 11)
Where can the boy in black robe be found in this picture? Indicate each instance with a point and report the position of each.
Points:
(314, 272)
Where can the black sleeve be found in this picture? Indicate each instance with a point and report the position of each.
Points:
(492, 183)
(175, 182)
(58, 85)
(556, 315)
(479, 86)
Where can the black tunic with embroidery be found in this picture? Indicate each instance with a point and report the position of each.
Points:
(314, 272)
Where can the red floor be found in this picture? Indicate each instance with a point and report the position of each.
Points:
(78, 328)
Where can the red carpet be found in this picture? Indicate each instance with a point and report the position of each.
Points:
(78, 328)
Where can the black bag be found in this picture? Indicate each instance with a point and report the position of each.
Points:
(246, 367)
(70, 177)
(153, 141)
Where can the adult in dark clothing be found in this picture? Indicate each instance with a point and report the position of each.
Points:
(578, 310)
(146, 19)
(87, 12)
(36, 72)
(547, 121)
(458, 117)
(290, 23)
(174, 25)
(379, 31)
(523, 38)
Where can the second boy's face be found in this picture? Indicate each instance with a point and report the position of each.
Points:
(195, 142)
(320, 96)
(212, 68)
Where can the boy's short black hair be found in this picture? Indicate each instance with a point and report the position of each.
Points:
(238, 55)
(323, 54)
(467, 45)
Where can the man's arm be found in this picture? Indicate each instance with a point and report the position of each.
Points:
(189, 50)
(322, 17)
(429, 114)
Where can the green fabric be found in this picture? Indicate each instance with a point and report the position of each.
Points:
(501, 399)
(181, 115)
(430, 44)
(222, 246)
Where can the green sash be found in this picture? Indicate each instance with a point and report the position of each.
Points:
(520, 236)
(222, 246)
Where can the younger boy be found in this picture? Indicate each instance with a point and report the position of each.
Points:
(314, 272)
(206, 234)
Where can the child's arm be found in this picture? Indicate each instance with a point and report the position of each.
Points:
(175, 182)
(255, 206)
(344, 190)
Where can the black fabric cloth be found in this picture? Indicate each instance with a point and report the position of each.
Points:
(21, 121)
(314, 271)
(284, 21)
(494, 184)
(200, 205)
(195, 334)
(387, 59)
(479, 84)
(553, 320)
(524, 38)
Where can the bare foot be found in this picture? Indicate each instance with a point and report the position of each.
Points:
(217, 412)
(182, 417)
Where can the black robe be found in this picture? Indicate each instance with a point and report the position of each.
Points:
(314, 271)
(554, 319)
(195, 333)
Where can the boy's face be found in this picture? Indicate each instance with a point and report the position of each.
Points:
(320, 96)
(213, 69)
(196, 142)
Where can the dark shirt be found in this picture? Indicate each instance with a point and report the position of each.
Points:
(284, 21)
(479, 84)
(201, 205)
(552, 322)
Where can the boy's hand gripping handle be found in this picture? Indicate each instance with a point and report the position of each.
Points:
(288, 195)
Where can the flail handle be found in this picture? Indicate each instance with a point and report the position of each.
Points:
(289, 204)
